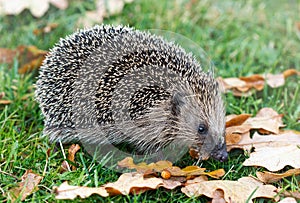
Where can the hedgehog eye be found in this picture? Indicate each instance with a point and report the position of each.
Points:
(202, 129)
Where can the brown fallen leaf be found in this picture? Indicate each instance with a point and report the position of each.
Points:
(196, 180)
(288, 200)
(71, 157)
(195, 171)
(30, 66)
(218, 196)
(268, 177)
(27, 186)
(276, 80)
(254, 81)
(29, 57)
(297, 26)
(269, 113)
(245, 143)
(284, 138)
(244, 189)
(48, 28)
(66, 191)
(286, 193)
(232, 138)
(7, 55)
(72, 151)
(236, 120)
(230, 83)
(15, 7)
(144, 167)
(290, 72)
(5, 102)
(267, 124)
(171, 183)
(238, 128)
(246, 86)
(103, 9)
(173, 170)
(235, 128)
(275, 158)
(267, 120)
(129, 183)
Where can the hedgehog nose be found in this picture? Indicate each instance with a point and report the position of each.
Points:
(220, 153)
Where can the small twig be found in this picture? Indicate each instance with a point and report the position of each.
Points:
(64, 155)
(46, 165)
(5, 173)
(228, 172)
(45, 187)
(198, 161)
(2, 191)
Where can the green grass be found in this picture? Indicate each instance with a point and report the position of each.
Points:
(241, 37)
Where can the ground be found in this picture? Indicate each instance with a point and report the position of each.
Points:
(242, 38)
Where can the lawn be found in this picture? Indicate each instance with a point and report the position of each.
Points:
(241, 37)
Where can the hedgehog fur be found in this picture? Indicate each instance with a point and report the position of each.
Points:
(125, 85)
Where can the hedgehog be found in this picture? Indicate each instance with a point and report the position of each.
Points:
(117, 84)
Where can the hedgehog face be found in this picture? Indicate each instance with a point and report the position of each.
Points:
(203, 124)
(216, 129)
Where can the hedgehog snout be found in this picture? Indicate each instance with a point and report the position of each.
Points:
(220, 152)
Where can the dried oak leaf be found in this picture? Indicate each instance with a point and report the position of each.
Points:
(244, 86)
(36, 7)
(71, 157)
(72, 151)
(195, 171)
(231, 83)
(268, 177)
(104, 9)
(236, 120)
(286, 193)
(5, 102)
(27, 186)
(284, 138)
(174, 170)
(244, 189)
(171, 183)
(29, 57)
(235, 128)
(48, 28)
(196, 180)
(245, 142)
(288, 200)
(290, 72)
(144, 167)
(129, 183)
(254, 81)
(218, 196)
(7, 55)
(66, 191)
(274, 152)
(266, 120)
(275, 158)
(238, 127)
(277, 80)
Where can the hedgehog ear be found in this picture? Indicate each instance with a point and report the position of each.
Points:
(177, 102)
